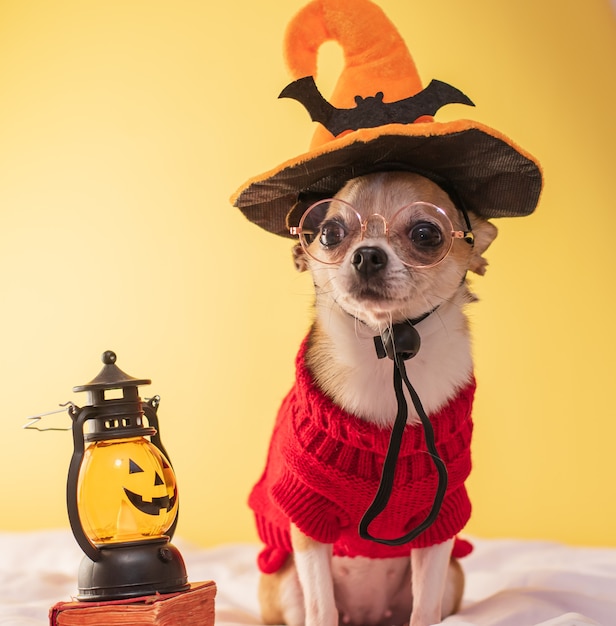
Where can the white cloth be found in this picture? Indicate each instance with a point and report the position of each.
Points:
(508, 583)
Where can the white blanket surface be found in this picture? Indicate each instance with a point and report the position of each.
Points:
(508, 583)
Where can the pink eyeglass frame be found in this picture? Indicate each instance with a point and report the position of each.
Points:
(467, 235)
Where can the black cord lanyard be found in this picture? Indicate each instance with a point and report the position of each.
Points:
(402, 343)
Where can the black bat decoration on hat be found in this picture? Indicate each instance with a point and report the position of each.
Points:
(372, 111)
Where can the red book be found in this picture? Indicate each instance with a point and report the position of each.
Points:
(194, 607)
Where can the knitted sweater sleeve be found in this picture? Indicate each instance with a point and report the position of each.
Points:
(314, 514)
(288, 492)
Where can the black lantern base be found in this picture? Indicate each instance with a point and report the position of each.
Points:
(130, 570)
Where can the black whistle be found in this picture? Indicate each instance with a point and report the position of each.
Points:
(400, 340)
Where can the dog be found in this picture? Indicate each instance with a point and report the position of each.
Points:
(365, 282)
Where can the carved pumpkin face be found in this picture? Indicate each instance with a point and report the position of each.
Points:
(126, 491)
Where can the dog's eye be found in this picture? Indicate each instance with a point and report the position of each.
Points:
(332, 233)
(426, 235)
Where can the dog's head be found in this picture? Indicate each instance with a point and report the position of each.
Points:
(390, 246)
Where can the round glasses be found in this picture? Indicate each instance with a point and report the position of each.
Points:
(421, 232)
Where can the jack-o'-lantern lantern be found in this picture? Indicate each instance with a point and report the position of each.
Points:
(122, 494)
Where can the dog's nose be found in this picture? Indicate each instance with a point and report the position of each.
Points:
(369, 260)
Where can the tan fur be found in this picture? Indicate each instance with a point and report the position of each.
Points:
(454, 589)
(314, 588)
(270, 592)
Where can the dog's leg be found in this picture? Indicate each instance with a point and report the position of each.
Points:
(313, 561)
(430, 568)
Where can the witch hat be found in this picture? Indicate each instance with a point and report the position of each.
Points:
(380, 118)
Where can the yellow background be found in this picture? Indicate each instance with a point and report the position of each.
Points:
(125, 125)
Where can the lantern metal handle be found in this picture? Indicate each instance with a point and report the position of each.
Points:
(79, 417)
(150, 410)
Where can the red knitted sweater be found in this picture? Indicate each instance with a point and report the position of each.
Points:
(323, 470)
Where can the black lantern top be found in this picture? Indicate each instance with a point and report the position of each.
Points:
(119, 416)
(111, 376)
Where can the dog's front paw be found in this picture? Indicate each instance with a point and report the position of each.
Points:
(322, 618)
(322, 613)
(424, 619)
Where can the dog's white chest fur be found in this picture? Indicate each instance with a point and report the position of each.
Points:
(362, 384)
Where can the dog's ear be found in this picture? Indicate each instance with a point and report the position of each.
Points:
(485, 232)
(299, 258)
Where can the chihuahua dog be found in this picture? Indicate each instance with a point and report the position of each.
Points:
(389, 247)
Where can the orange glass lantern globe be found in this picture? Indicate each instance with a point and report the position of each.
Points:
(127, 491)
